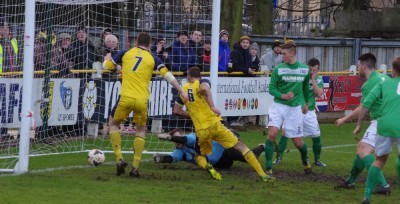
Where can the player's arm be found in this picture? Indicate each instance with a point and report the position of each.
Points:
(273, 85)
(306, 91)
(374, 95)
(168, 76)
(317, 86)
(176, 139)
(178, 109)
(352, 116)
(175, 156)
(111, 61)
(205, 88)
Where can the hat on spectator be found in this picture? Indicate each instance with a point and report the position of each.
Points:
(64, 36)
(223, 32)
(3, 21)
(81, 28)
(160, 38)
(276, 43)
(244, 37)
(182, 32)
(107, 30)
(253, 46)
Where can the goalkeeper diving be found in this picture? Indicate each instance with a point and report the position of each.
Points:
(186, 148)
(137, 69)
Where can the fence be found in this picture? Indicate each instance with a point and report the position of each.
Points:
(305, 26)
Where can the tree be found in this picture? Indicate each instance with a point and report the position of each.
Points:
(231, 18)
(262, 17)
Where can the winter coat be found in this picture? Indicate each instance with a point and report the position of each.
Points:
(223, 56)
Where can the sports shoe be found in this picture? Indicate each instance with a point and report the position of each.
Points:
(121, 165)
(382, 190)
(134, 172)
(307, 168)
(268, 178)
(268, 172)
(278, 161)
(345, 185)
(365, 201)
(320, 164)
(214, 174)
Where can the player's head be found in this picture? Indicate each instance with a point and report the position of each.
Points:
(313, 64)
(289, 52)
(143, 40)
(196, 36)
(366, 63)
(193, 73)
(177, 132)
(396, 67)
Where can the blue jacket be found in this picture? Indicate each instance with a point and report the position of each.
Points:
(187, 153)
(183, 57)
(223, 58)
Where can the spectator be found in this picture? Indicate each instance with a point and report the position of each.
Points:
(8, 57)
(84, 55)
(255, 61)
(224, 51)
(240, 57)
(100, 46)
(159, 49)
(183, 56)
(59, 60)
(110, 45)
(195, 43)
(205, 59)
(66, 46)
(273, 57)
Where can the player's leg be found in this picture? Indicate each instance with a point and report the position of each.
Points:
(383, 147)
(139, 117)
(118, 114)
(275, 120)
(311, 128)
(281, 147)
(205, 144)
(227, 139)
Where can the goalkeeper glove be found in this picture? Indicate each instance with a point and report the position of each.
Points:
(157, 158)
(164, 136)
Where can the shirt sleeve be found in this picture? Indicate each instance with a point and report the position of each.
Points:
(273, 85)
(373, 95)
(158, 62)
(177, 155)
(191, 139)
(179, 101)
(117, 58)
(320, 82)
(205, 81)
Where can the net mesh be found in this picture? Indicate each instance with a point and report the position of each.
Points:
(72, 99)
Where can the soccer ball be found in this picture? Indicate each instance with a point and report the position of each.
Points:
(96, 157)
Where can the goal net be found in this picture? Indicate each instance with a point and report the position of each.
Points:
(72, 96)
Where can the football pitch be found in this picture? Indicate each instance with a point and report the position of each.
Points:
(67, 178)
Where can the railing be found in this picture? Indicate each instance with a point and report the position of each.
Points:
(304, 26)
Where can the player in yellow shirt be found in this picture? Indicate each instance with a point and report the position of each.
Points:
(207, 122)
(137, 68)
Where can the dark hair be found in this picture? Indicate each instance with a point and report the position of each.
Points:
(369, 60)
(396, 64)
(143, 39)
(207, 42)
(313, 62)
(172, 132)
(194, 72)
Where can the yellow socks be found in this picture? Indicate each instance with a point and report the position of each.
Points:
(138, 147)
(115, 138)
(252, 160)
(201, 161)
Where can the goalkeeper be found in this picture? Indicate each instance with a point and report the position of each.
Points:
(187, 148)
(137, 68)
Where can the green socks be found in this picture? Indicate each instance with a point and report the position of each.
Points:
(398, 169)
(269, 152)
(372, 180)
(303, 152)
(316, 147)
(282, 145)
(356, 169)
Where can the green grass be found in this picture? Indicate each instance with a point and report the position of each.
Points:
(67, 179)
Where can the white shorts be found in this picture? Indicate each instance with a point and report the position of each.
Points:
(384, 145)
(310, 124)
(370, 134)
(290, 117)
